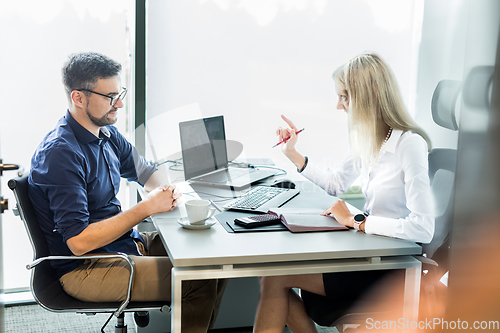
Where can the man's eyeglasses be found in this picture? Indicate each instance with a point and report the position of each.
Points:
(114, 99)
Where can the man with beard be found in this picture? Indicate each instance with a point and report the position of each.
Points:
(74, 179)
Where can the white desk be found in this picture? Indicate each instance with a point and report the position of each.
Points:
(214, 253)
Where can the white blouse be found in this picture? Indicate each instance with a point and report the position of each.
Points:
(399, 200)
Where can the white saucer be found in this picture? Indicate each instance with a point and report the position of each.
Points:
(184, 222)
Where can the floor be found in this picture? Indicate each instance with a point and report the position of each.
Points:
(33, 318)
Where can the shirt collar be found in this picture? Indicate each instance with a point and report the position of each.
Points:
(104, 134)
(390, 146)
(85, 136)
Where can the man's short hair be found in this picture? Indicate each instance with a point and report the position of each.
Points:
(82, 70)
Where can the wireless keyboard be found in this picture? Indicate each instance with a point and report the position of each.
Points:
(255, 198)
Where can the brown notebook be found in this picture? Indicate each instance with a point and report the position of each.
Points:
(306, 220)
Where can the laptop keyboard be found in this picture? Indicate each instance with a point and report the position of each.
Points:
(225, 175)
(255, 198)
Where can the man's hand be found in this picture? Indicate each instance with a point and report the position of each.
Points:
(101, 233)
(162, 199)
(341, 213)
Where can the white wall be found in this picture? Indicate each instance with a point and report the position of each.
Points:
(254, 60)
(36, 38)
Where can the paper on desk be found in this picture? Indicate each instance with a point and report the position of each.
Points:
(307, 220)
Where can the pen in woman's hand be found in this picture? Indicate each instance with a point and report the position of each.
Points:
(285, 140)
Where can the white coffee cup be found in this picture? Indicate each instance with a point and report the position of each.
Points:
(198, 211)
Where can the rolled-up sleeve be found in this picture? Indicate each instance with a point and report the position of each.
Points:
(143, 168)
(133, 166)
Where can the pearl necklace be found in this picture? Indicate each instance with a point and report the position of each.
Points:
(386, 138)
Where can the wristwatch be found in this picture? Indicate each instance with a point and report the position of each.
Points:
(358, 220)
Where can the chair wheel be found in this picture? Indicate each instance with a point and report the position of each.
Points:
(141, 318)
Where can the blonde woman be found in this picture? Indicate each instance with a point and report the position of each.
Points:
(389, 155)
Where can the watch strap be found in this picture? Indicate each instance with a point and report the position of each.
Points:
(359, 219)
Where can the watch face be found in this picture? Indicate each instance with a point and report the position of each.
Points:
(359, 218)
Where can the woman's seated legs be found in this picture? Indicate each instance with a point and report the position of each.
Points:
(355, 292)
(279, 305)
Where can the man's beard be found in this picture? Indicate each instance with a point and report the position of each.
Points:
(103, 121)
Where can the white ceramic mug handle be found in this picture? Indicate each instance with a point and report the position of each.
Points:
(211, 212)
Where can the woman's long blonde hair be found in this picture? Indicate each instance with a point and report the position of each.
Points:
(375, 105)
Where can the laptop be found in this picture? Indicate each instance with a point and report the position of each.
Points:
(204, 155)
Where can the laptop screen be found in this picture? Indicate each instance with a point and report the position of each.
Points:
(203, 143)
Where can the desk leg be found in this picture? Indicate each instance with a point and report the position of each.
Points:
(176, 302)
(412, 292)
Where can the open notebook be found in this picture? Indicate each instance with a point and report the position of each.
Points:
(306, 220)
(293, 219)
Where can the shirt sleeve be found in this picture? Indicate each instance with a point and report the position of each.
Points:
(133, 166)
(418, 226)
(336, 181)
(59, 173)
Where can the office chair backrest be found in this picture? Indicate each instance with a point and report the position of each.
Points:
(442, 163)
(20, 187)
(44, 281)
(443, 105)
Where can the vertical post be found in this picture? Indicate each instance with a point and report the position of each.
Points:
(412, 292)
(176, 302)
(140, 76)
(1, 262)
(140, 80)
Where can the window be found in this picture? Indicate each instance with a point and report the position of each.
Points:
(37, 37)
(252, 61)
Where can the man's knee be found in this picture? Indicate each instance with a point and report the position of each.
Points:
(206, 289)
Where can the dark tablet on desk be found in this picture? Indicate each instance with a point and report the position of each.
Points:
(226, 219)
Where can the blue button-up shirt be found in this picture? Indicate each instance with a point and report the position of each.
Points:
(74, 180)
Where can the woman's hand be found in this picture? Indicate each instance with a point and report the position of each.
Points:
(287, 133)
(341, 213)
(288, 148)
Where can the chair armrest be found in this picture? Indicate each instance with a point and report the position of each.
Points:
(118, 255)
(426, 261)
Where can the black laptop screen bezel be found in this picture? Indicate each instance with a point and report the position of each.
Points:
(193, 167)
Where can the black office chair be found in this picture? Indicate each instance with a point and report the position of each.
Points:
(45, 285)
(434, 258)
